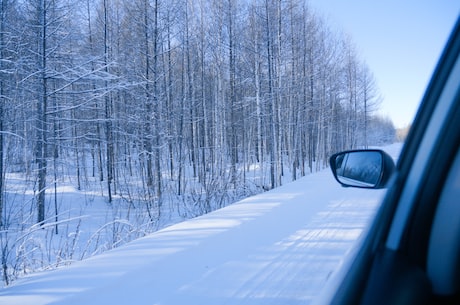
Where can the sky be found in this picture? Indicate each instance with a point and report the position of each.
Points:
(401, 42)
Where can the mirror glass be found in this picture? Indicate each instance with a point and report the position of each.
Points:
(359, 168)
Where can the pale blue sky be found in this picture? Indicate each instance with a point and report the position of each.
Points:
(400, 40)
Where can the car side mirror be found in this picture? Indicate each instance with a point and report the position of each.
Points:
(362, 168)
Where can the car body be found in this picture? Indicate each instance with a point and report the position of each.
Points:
(411, 254)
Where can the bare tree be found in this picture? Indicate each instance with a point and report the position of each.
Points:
(3, 73)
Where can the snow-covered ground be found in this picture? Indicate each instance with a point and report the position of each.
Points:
(279, 247)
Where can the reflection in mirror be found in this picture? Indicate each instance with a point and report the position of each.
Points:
(359, 168)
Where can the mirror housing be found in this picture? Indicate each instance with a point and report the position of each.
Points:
(369, 168)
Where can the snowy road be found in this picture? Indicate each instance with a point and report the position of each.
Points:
(279, 247)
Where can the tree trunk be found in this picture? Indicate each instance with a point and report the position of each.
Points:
(41, 157)
(107, 109)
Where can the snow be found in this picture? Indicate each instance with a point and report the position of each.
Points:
(279, 247)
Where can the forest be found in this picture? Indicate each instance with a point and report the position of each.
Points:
(189, 104)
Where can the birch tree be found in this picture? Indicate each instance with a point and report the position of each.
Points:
(6, 60)
(40, 22)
